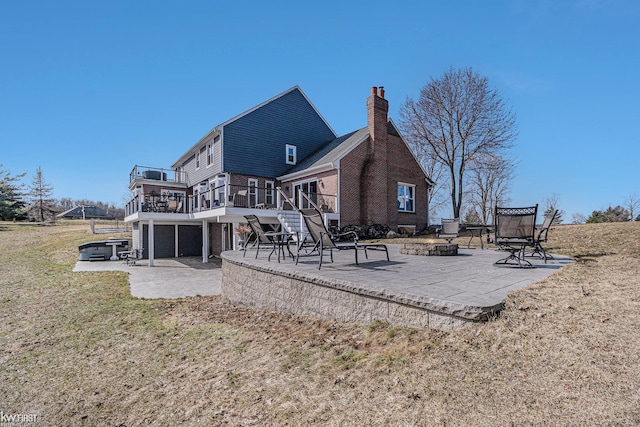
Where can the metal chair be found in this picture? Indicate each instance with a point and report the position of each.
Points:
(541, 236)
(514, 231)
(450, 229)
(324, 240)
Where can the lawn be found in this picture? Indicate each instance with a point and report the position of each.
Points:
(77, 349)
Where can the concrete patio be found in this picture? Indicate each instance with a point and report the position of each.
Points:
(436, 291)
(169, 278)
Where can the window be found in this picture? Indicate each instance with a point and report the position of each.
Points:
(269, 198)
(291, 154)
(209, 154)
(406, 197)
(253, 192)
(219, 186)
(198, 160)
(310, 188)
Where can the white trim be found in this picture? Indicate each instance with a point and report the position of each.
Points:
(413, 198)
(210, 157)
(255, 188)
(305, 172)
(294, 150)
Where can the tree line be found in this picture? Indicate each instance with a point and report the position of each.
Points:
(461, 132)
(19, 202)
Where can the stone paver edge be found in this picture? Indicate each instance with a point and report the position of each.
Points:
(464, 311)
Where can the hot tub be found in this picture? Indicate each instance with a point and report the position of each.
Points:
(101, 250)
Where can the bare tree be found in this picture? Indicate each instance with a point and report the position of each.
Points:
(489, 183)
(578, 218)
(42, 205)
(632, 203)
(435, 171)
(457, 118)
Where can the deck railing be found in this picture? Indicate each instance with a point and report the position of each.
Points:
(227, 195)
(157, 174)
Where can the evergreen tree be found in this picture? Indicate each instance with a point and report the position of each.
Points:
(42, 205)
(617, 214)
(12, 205)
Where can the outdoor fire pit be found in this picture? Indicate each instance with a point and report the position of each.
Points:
(429, 249)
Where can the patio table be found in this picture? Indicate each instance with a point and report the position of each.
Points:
(476, 231)
(280, 240)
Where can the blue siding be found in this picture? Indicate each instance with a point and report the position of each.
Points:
(255, 143)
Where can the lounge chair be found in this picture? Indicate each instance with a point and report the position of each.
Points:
(514, 231)
(323, 240)
(541, 236)
(450, 229)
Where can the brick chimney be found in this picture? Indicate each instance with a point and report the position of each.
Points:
(374, 190)
(377, 112)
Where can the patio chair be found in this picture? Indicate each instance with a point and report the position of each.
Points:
(323, 240)
(541, 236)
(275, 240)
(514, 231)
(450, 229)
(239, 199)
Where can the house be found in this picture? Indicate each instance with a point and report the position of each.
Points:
(86, 212)
(260, 162)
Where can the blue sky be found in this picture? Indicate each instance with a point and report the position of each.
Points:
(90, 88)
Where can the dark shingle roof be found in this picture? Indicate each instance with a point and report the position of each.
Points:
(331, 151)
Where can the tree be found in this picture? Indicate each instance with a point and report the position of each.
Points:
(434, 171)
(617, 214)
(456, 119)
(42, 205)
(11, 198)
(578, 218)
(550, 205)
(632, 203)
(489, 183)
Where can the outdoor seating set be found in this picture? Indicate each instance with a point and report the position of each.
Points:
(514, 231)
(155, 202)
(317, 240)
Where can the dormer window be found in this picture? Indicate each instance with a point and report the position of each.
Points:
(291, 155)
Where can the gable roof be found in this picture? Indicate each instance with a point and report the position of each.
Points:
(218, 129)
(330, 152)
(327, 156)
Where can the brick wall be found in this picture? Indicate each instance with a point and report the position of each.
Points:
(369, 176)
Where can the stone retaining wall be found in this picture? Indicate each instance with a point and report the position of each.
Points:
(255, 286)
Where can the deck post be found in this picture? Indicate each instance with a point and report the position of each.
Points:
(150, 244)
(205, 241)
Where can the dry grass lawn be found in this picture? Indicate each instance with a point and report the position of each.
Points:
(77, 349)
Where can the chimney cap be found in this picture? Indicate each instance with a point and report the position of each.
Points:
(374, 90)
